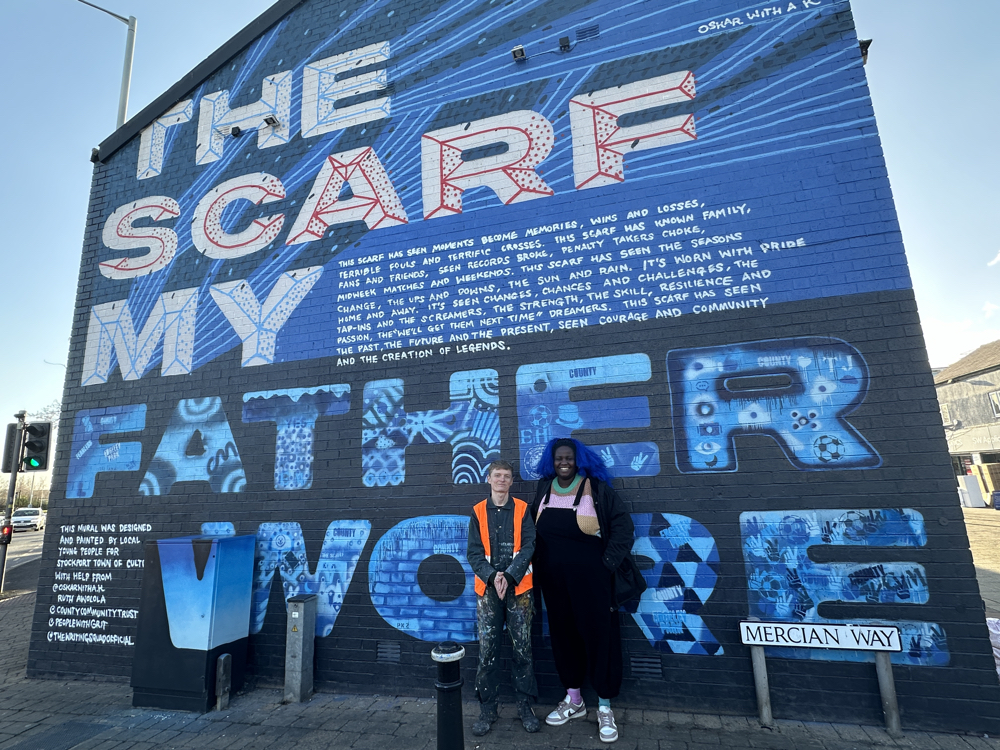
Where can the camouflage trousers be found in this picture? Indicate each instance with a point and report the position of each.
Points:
(491, 614)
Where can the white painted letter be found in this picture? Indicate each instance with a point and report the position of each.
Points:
(153, 139)
(321, 90)
(119, 234)
(600, 145)
(216, 120)
(375, 200)
(206, 227)
(258, 325)
(511, 175)
(111, 330)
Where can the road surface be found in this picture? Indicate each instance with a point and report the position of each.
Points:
(25, 546)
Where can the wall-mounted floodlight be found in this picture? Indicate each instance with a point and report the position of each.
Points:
(564, 45)
(864, 44)
(235, 132)
(271, 121)
(518, 54)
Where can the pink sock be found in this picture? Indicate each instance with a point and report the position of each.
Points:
(574, 696)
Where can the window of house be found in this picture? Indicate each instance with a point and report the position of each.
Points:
(995, 403)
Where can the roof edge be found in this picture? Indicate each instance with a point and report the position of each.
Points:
(132, 127)
(964, 375)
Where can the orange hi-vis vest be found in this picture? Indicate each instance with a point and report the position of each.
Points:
(520, 508)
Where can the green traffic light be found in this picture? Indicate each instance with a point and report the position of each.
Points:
(34, 463)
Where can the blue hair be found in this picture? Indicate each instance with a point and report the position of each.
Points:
(588, 462)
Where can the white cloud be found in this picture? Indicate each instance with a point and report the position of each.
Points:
(989, 308)
(995, 260)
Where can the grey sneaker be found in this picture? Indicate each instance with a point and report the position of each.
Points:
(565, 711)
(607, 729)
(487, 716)
(529, 721)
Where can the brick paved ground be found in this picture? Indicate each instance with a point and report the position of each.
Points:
(54, 715)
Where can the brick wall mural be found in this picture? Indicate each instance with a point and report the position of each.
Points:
(362, 252)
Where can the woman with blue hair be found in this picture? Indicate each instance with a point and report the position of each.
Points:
(583, 532)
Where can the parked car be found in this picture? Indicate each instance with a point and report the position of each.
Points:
(28, 518)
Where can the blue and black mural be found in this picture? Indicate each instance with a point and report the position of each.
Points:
(471, 424)
(685, 568)
(295, 412)
(545, 410)
(640, 154)
(797, 391)
(339, 275)
(198, 445)
(784, 583)
(281, 551)
(90, 456)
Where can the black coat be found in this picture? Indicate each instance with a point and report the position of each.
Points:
(617, 529)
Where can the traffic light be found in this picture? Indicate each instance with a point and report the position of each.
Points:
(9, 448)
(5, 533)
(36, 446)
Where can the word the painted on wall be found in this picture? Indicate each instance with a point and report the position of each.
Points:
(786, 585)
(92, 557)
(797, 391)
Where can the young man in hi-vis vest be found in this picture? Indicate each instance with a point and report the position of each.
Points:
(501, 543)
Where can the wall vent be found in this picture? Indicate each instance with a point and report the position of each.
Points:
(647, 668)
(388, 652)
(588, 32)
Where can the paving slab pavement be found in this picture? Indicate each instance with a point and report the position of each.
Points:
(81, 715)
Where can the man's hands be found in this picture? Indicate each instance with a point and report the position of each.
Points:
(500, 584)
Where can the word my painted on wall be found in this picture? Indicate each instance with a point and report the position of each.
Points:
(785, 584)
(797, 391)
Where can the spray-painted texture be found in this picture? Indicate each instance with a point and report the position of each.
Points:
(323, 287)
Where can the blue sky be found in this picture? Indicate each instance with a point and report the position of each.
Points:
(932, 74)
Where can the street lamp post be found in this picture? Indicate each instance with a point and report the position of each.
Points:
(127, 70)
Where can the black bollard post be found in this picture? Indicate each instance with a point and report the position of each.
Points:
(450, 730)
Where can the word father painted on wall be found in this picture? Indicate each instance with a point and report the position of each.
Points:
(797, 391)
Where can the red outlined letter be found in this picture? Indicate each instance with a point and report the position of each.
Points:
(375, 201)
(511, 175)
(119, 234)
(206, 227)
(600, 145)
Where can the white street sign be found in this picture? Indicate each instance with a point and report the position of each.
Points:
(821, 635)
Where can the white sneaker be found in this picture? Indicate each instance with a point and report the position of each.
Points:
(607, 729)
(565, 711)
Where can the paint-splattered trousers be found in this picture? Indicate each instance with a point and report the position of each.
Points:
(491, 614)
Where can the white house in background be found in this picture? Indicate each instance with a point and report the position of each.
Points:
(969, 394)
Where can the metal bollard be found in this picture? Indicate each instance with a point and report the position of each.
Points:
(450, 730)
(223, 681)
(887, 691)
(761, 686)
(300, 643)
